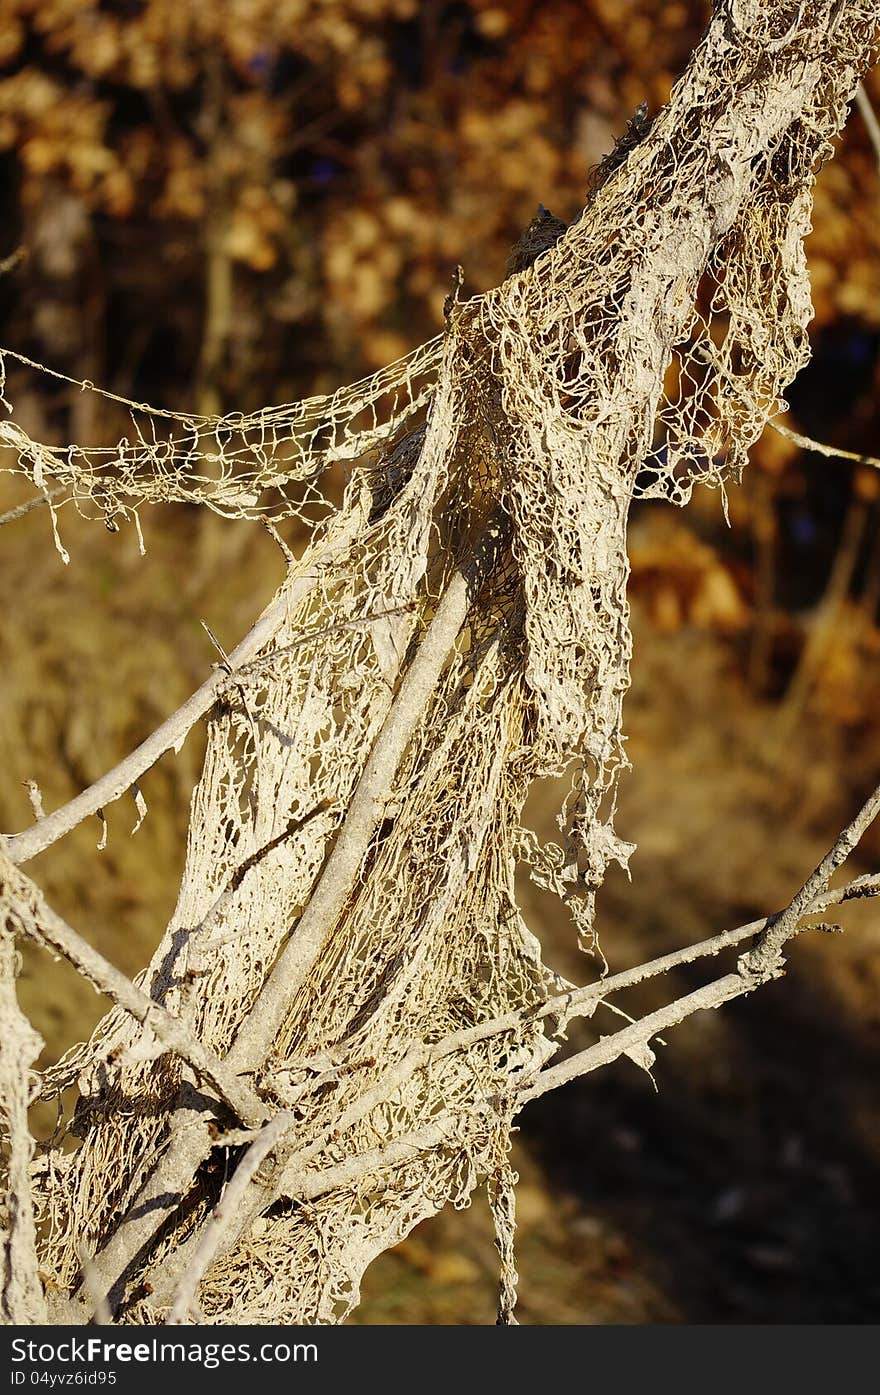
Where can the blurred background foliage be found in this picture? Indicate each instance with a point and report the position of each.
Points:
(233, 203)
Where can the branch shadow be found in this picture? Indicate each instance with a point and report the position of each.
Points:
(751, 1200)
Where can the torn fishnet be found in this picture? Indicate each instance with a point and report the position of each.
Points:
(641, 352)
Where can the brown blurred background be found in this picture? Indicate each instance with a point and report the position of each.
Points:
(228, 204)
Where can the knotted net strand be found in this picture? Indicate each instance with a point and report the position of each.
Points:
(641, 352)
(239, 465)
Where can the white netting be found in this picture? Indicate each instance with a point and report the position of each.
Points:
(638, 352)
(242, 466)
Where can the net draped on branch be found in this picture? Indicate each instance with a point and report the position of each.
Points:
(455, 629)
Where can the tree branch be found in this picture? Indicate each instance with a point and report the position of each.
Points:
(26, 907)
(21, 847)
(367, 807)
(21, 1293)
(767, 953)
(763, 963)
(30, 504)
(334, 884)
(638, 1034)
(224, 1216)
(820, 448)
(290, 1174)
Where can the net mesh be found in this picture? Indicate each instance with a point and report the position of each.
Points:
(636, 353)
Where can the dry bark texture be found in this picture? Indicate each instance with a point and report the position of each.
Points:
(349, 1008)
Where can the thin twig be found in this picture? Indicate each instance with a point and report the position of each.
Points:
(21, 509)
(767, 953)
(821, 448)
(578, 1002)
(224, 1215)
(868, 115)
(14, 260)
(582, 1002)
(638, 1034)
(21, 847)
(307, 1186)
(761, 964)
(276, 537)
(321, 632)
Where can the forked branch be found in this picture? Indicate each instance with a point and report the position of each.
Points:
(26, 909)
